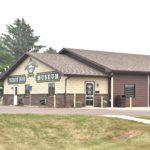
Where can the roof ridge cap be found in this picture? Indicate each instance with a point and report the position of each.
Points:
(70, 49)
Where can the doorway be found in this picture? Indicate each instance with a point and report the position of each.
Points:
(89, 93)
(15, 95)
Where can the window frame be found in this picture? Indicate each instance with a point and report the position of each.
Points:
(51, 89)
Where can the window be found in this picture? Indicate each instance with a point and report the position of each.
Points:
(89, 88)
(129, 90)
(51, 89)
(16, 90)
(1, 92)
(27, 91)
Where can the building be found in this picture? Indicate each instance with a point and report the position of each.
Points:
(77, 78)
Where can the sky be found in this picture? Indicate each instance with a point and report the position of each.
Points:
(107, 25)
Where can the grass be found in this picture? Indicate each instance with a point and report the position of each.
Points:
(46, 132)
(144, 117)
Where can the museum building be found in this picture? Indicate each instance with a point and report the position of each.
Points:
(77, 78)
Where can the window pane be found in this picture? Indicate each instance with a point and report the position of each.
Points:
(89, 89)
(27, 92)
(16, 90)
(51, 89)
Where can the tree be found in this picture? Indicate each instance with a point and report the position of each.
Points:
(6, 59)
(20, 38)
(50, 50)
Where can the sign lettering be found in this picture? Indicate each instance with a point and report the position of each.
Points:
(47, 76)
(17, 79)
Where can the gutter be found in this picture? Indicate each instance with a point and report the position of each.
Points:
(112, 89)
(148, 87)
(65, 94)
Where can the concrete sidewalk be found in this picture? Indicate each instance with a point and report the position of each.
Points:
(117, 108)
(146, 121)
(75, 111)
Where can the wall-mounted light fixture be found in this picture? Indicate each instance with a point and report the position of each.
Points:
(97, 84)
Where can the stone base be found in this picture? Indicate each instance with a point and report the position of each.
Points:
(62, 100)
(97, 100)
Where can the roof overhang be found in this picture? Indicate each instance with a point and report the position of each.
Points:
(101, 67)
(5, 74)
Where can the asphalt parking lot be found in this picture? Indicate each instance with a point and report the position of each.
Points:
(72, 111)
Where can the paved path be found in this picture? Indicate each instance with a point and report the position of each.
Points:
(123, 113)
(78, 111)
(146, 121)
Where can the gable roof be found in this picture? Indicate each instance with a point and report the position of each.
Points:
(62, 63)
(117, 62)
(65, 64)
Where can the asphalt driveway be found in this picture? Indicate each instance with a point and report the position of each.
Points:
(72, 111)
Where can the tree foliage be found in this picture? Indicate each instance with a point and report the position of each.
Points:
(50, 50)
(6, 59)
(20, 38)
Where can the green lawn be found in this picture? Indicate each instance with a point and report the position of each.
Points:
(144, 117)
(45, 132)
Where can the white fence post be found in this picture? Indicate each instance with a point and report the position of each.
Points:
(74, 100)
(102, 102)
(130, 102)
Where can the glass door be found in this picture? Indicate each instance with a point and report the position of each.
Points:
(89, 93)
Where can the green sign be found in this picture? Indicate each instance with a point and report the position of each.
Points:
(18, 79)
(47, 76)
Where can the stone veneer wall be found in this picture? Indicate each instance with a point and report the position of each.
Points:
(62, 100)
(97, 100)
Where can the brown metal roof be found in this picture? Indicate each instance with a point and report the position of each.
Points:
(66, 65)
(114, 61)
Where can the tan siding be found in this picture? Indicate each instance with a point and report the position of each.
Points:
(37, 88)
(77, 84)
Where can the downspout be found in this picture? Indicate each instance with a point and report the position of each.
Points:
(148, 90)
(112, 90)
(65, 94)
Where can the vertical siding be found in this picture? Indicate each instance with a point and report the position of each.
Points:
(141, 88)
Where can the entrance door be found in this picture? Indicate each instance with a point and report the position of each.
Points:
(15, 95)
(89, 93)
